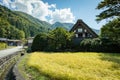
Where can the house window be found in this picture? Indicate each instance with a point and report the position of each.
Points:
(79, 29)
(76, 35)
(85, 30)
(89, 35)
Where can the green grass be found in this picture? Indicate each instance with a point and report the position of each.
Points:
(71, 66)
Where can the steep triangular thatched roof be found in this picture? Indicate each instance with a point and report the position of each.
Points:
(85, 26)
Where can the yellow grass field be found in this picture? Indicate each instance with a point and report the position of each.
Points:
(71, 66)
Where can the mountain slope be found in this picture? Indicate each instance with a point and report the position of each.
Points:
(96, 31)
(34, 20)
(21, 21)
(67, 26)
(16, 25)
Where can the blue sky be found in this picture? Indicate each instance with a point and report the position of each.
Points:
(81, 9)
(65, 11)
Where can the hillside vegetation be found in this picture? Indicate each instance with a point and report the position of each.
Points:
(66, 26)
(13, 24)
(70, 66)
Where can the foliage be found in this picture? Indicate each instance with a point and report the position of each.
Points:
(56, 40)
(86, 44)
(59, 39)
(109, 40)
(9, 31)
(77, 66)
(28, 25)
(3, 45)
(39, 42)
(66, 26)
(111, 9)
(111, 30)
(99, 45)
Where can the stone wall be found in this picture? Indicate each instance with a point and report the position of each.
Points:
(7, 62)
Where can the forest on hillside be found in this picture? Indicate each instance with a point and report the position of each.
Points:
(19, 25)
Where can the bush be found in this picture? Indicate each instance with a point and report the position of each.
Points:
(56, 40)
(40, 42)
(100, 45)
(85, 45)
(109, 45)
(3, 45)
(96, 44)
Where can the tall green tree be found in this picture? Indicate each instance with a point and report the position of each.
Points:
(59, 39)
(9, 31)
(111, 30)
(111, 8)
(4, 28)
(22, 21)
(56, 40)
(21, 34)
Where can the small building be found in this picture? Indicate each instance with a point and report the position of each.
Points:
(11, 42)
(82, 31)
(30, 41)
(3, 39)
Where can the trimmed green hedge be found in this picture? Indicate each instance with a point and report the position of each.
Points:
(3, 45)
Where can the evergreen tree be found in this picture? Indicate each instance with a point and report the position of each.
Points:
(111, 30)
(111, 9)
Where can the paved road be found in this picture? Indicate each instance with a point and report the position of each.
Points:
(6, 52)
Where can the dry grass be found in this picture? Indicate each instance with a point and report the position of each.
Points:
(74, 66)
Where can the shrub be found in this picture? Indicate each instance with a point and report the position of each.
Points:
(40, 42)
(99, 45)
(3, 45)
(109, 45)
(85, 44)
(59, 39)
(96, 44)
(56, 40)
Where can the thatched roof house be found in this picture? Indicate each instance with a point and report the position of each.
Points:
(82, 31)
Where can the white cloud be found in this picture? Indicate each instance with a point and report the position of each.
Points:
(62, 15)
(6, 2)
(41, 10)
